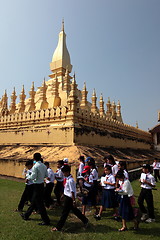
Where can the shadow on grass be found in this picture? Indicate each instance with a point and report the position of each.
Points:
(77, 228)
(155, 232)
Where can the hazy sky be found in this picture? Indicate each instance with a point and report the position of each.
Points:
(114, 46)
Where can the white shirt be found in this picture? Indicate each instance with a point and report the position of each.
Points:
(108, 178)
(125, 174)
(29, 172)
(50, 176)
(69, 187)
(94, 173)
(126, 188)
(89, 179)
(59, 174)
(80, 169)
(115, 169)
(149, 178)
(156, 165)
(39, 172)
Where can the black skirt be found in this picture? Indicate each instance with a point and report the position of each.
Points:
(126, 210)
(109, 198)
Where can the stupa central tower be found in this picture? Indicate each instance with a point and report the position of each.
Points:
(61, 58)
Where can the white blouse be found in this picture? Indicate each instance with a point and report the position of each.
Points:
(126, 188)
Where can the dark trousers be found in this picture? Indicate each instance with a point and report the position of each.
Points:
(47, 194)
(146, 194)
(68, 206)
(58, 190)
(38, 202)
(156, 174)
(26, 195)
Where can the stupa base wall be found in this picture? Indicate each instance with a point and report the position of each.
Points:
(100, 137)
(42, 135)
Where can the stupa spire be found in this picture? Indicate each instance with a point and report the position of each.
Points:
(66, 81)
(63, 24)
(13, 102)
(114, 114)
(94, 100)
(119, 115)
(73, 98)
(4, 110)
(22, 97)
(84, 97)
(109, 111)
(32, 93)
(101, 106)
(61, 57)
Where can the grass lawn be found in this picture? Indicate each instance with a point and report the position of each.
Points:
(12, 227)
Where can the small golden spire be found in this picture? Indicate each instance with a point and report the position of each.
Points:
(63, 24)
(94, 99)
(84, 93)
(101, 105)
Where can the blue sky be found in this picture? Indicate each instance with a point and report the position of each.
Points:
(114, 47)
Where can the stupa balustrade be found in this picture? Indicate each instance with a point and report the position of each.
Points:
(60, 115)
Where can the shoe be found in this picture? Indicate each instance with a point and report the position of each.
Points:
(149, 220)
(19, 210)
(144, 217)
(122, 229)
(117, 218)
(115, 215)
(97, 217)
(43, 224)
(54, 229)
(24, 217)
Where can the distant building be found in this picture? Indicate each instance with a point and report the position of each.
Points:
(60, 113)
(155, 131)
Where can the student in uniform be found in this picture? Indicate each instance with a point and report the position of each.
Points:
(81, 166)
(88, 198)
(156, 168)
(108, 195)
(147, 183)
(109, 160)
(58, 190)
(125, 191)
(49, 186)
(122, 166)
(79, 173)
(28, 191)
(94, 173)
(69, 200)
(39, 172)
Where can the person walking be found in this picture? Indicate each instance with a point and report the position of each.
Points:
(39, 172)
(69, 200)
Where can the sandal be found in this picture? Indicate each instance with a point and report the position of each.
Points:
(54, 229)
(122, 229)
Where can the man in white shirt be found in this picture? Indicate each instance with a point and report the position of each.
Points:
(28, 191)
(147, 183)
(39, 172)
(69, 200)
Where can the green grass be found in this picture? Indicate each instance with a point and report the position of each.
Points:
(12, 227)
